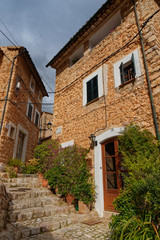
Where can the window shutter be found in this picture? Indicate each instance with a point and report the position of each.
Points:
(122, 72)
(133, 65)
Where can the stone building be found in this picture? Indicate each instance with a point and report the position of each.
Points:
(45, 133)
(104, 81)
(20, 113)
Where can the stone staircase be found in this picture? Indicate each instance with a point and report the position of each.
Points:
(34, 210)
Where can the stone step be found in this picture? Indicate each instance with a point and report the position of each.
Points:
(34, 227)
(26, 193)
(23, 185)
(21, 215)
(31, 203)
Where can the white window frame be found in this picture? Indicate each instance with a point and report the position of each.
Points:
(32, 80)
(29, 102)
(11, 125)
(36, 111)
(98, 73)
(117, 75)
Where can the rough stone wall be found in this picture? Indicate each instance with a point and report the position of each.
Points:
(16, 113)
(118, 107)
(152, 48)
(4, 202)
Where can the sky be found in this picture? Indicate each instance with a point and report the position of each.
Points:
(44, 27)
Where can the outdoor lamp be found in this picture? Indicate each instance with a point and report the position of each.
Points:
(92, 138)
(49, 125)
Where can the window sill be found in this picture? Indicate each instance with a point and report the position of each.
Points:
(130, 81)
(94, 100)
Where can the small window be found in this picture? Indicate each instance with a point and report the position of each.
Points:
(40, 96)
(32, 84)
(11, 130)
(30, 110)
(92, 89)
(36, 118)
(127, 70)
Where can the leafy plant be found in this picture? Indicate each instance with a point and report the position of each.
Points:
(134, 228)
(31, 167)
(70, 174)
(15, 163)
(45, 154)
(11, 171)
(141, 197)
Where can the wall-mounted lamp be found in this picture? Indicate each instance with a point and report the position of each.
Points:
(49, 125)
(18, 87)
(92, 138)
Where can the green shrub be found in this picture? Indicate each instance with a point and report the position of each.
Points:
(11, 171)
(15, 163)
(71, 175)
(45, 154)
(31, 167)
(141, 197)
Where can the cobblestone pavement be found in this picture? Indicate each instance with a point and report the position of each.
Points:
(79, 231)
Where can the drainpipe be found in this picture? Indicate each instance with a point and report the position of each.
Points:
(147, 73)
(6, 99)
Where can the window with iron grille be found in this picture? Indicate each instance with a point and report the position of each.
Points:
(127, 70)
(92, 89)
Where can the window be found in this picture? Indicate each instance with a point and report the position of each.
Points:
(11, 130)
(36, 118)
(93, 86)
(32, 84)
(127, 69)
(103, 31)
(29, 110)
(92, 89)
(40, 96)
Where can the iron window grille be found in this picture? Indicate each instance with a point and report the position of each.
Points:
(127, 70)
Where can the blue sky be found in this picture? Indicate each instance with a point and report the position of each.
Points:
(44, 27)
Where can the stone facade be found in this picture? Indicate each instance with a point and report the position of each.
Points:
(45, 119)
(19, 133)
(117, 104)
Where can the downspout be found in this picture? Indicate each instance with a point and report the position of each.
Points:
(9, 83)
(147, 73)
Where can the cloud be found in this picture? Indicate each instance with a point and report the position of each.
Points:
(44, 27)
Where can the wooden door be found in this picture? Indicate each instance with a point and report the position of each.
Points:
(111, 172)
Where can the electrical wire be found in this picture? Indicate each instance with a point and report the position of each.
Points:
(9, 31)
(106, 58)
(16, 47)
(101, 62)
(7, 38)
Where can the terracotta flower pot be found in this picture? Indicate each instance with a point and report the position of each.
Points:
(83, 208)
(45, 183)
(70, 198)
(40, 177)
